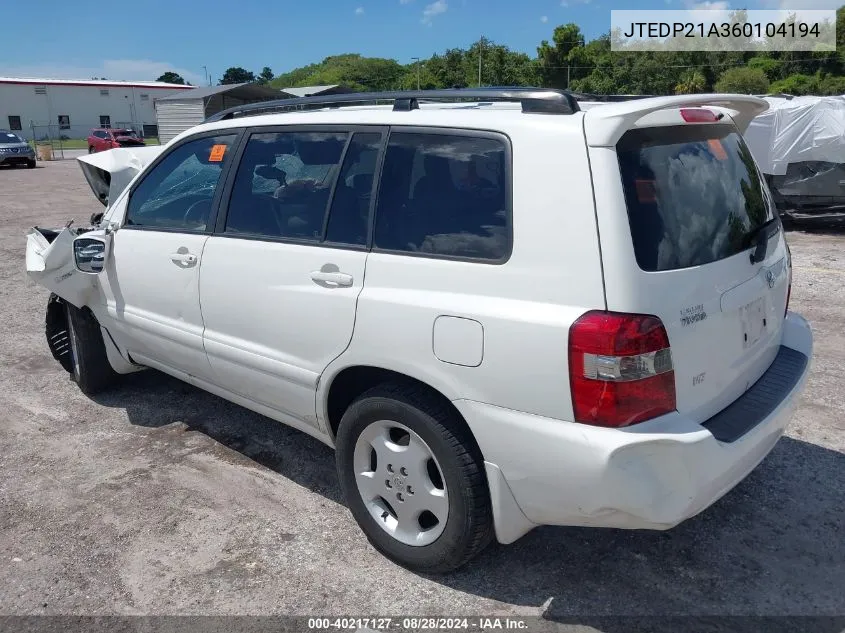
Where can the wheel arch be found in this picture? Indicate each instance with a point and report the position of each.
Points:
(340, 388)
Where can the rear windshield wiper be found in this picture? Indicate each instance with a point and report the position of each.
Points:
(759, 238)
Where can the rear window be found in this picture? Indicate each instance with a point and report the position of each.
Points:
(693, 192)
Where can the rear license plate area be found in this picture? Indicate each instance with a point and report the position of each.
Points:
(754, 323)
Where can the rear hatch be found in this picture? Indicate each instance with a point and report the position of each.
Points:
(689, 233)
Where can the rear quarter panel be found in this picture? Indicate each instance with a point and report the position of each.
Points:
(525, 305)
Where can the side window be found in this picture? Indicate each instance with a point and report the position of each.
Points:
(444, 195)
(283, 184)
(178, 192)
(350, 211)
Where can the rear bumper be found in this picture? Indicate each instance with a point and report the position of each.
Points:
(650, 476)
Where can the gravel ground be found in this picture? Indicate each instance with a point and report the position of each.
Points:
(158, 498)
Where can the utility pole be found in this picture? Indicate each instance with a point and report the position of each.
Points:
(567, 75)
(207, 77)
(417, 59)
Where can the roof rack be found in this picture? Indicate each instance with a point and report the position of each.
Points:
(533, 100)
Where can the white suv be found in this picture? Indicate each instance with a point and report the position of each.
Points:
(503, 311)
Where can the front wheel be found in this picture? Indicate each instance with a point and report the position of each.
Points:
(414, 478)
(30, 164)
(90, 367)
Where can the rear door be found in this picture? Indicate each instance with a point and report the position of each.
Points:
(689, 234)
(281, 277)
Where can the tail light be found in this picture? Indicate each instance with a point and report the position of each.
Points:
(620, 369)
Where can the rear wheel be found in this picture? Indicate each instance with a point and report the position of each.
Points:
(414, 479)
(90, 367)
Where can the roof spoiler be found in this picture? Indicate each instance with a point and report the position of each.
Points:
(604, 126)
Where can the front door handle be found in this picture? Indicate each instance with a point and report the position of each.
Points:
(334, 278)
(186, 259)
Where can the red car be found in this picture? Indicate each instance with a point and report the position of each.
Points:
(102, 139)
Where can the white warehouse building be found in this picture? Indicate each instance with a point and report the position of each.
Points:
(53, 108)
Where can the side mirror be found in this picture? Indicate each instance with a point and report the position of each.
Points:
(89, 254)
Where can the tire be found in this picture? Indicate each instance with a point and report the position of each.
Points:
(464, 526)
(91, 369)
(30, 164)
(90, 149)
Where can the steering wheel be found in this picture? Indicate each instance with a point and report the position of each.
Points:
(197, 212)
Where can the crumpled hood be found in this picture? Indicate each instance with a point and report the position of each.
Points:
(108, 173)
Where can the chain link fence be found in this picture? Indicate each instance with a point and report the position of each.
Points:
(56, 141)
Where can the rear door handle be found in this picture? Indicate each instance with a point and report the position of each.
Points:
(183, 258)
(338, 279)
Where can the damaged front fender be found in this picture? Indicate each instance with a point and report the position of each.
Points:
(49, 252)
(49, 262)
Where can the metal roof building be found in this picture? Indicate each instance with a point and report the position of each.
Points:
(70, 108)
(178, 112)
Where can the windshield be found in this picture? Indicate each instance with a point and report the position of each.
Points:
(8, 137)
(693, 192)
(124, 132)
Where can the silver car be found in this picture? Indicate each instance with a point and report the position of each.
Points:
(15, 151)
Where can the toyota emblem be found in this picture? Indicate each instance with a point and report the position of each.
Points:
(770, 277)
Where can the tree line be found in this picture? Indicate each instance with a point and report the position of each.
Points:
(568, 60)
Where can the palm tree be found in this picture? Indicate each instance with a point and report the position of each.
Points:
(691, 82)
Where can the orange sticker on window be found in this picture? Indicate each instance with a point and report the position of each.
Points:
(646, 192)
(217, 152)
(717, 149)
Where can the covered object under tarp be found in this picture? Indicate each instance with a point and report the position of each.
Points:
(799, 143)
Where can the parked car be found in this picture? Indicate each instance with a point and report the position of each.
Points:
(15, 151)
(499, 317)
(107, 138)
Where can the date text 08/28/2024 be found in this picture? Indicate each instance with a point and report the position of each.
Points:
(415, 623)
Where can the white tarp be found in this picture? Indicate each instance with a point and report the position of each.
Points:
(108, 173)
(797, 130)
